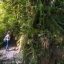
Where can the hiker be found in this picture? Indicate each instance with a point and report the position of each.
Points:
(7, 40)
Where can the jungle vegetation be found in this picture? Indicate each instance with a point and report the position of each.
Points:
(42, 22)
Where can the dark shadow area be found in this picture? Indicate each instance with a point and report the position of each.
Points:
(12, 40)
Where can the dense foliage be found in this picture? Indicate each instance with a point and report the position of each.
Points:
(40, 19)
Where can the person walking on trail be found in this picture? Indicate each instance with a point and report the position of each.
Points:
(7, 40)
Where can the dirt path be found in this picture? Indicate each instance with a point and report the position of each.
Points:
(13, 54)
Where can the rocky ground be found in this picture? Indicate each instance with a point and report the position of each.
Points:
(11, 56)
